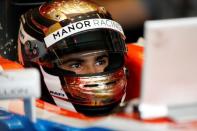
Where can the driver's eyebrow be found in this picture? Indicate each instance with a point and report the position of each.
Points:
(70, 60)
(102, 56)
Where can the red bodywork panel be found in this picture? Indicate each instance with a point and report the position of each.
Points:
(9, 65)
(134, 62)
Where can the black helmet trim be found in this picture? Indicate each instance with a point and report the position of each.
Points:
(30, 26)
(81, 26)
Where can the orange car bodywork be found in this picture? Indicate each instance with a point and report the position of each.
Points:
(134, 63)
(8, 64)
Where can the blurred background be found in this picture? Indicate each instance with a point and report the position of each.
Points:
(131, 14)
(10, 12)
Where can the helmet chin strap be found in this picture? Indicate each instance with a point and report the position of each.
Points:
(55, 89)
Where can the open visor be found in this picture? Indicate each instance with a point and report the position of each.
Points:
(92, 34)
(99, 39)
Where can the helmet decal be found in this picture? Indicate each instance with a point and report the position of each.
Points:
(56, 91)
(81, 26)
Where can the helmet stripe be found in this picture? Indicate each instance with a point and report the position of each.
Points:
(81, 26)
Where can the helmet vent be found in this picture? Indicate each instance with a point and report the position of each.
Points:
(91, 85)
(110, 83)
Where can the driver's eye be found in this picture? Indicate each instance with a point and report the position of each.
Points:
(101, 62)
(75, 65)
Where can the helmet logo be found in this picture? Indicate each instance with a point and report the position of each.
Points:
(31, 49)
(81, 26)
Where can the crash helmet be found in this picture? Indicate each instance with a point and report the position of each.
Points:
(52, 35)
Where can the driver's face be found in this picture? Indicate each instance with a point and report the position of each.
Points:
(86, 62)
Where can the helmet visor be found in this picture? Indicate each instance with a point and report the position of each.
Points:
(96, 41)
